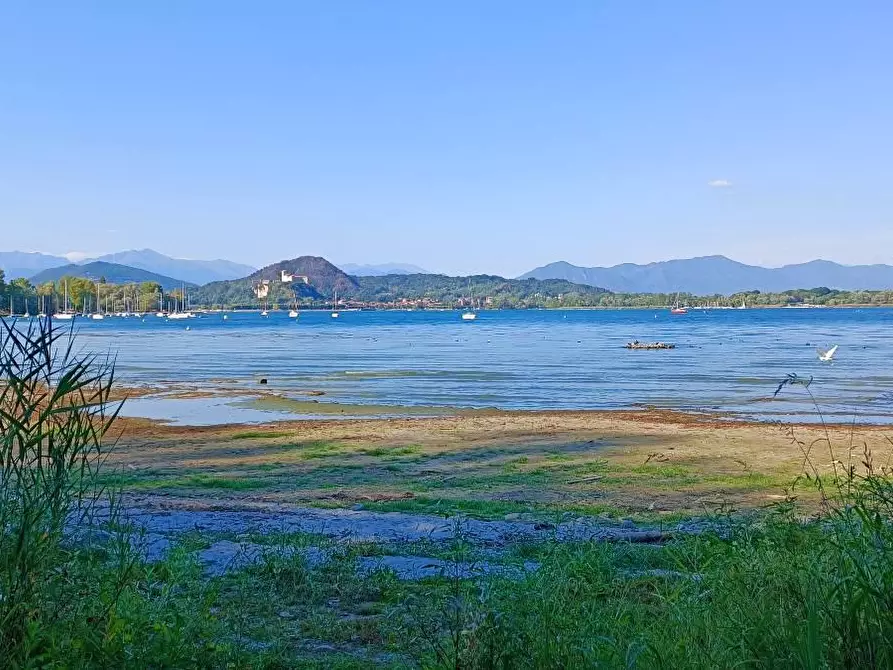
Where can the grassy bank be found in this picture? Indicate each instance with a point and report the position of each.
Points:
(770, 593)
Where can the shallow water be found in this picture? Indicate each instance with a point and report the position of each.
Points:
(726, 360)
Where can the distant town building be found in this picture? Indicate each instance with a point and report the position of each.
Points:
(288, 277)
(262, 290)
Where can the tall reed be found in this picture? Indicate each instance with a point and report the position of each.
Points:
(55, 413)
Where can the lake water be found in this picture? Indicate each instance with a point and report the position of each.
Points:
(725, 360)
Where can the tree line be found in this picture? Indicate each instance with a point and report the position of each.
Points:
(19, 296)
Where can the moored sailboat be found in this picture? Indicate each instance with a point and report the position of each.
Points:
(677, 308)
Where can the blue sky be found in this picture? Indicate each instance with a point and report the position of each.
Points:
(460, 136)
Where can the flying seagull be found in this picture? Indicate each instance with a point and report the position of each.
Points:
(828, 355)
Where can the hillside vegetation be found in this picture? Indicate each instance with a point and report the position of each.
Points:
(323, 279)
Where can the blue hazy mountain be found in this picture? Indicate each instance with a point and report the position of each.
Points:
(717, 274)
(382, 269)
(113, 273)
(17, 264)
(192, 271)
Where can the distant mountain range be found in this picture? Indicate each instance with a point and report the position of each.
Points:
(16, 264)
(382, 269)
(192, 271)
(113, 273)
(19, 264)
(707, 275)
(710, 275)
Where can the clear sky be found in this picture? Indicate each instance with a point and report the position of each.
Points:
(479, 136)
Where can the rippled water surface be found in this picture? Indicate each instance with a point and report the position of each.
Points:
(728, 360)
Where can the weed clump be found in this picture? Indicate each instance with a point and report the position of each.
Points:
(74, 591)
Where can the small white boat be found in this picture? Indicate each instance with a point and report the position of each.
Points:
(293, 314)
(178, 315)
(334, 313)
(265, 313)
(97, 316)
(469, 314)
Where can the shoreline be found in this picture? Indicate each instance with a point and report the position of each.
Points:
(650, 415)
(263, 406)
(603, 308)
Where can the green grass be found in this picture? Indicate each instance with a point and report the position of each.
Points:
(392, 452)
(217, 482)
(259, 435)
(773, 593)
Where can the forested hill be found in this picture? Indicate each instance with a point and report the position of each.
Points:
(449, 291)
(322, 280)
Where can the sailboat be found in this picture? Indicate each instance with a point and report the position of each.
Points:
(743, 305)
(160, 313)
(293, 313)
(264, 312)
(180, 311)
(177, 313)
(64, 314)
(98, 315)
(677, 308)
(335, 305)
(469, 314)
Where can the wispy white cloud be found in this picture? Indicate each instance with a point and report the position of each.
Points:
(78, 256)
(719, 183)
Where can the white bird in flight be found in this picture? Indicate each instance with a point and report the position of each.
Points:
(828, 355)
